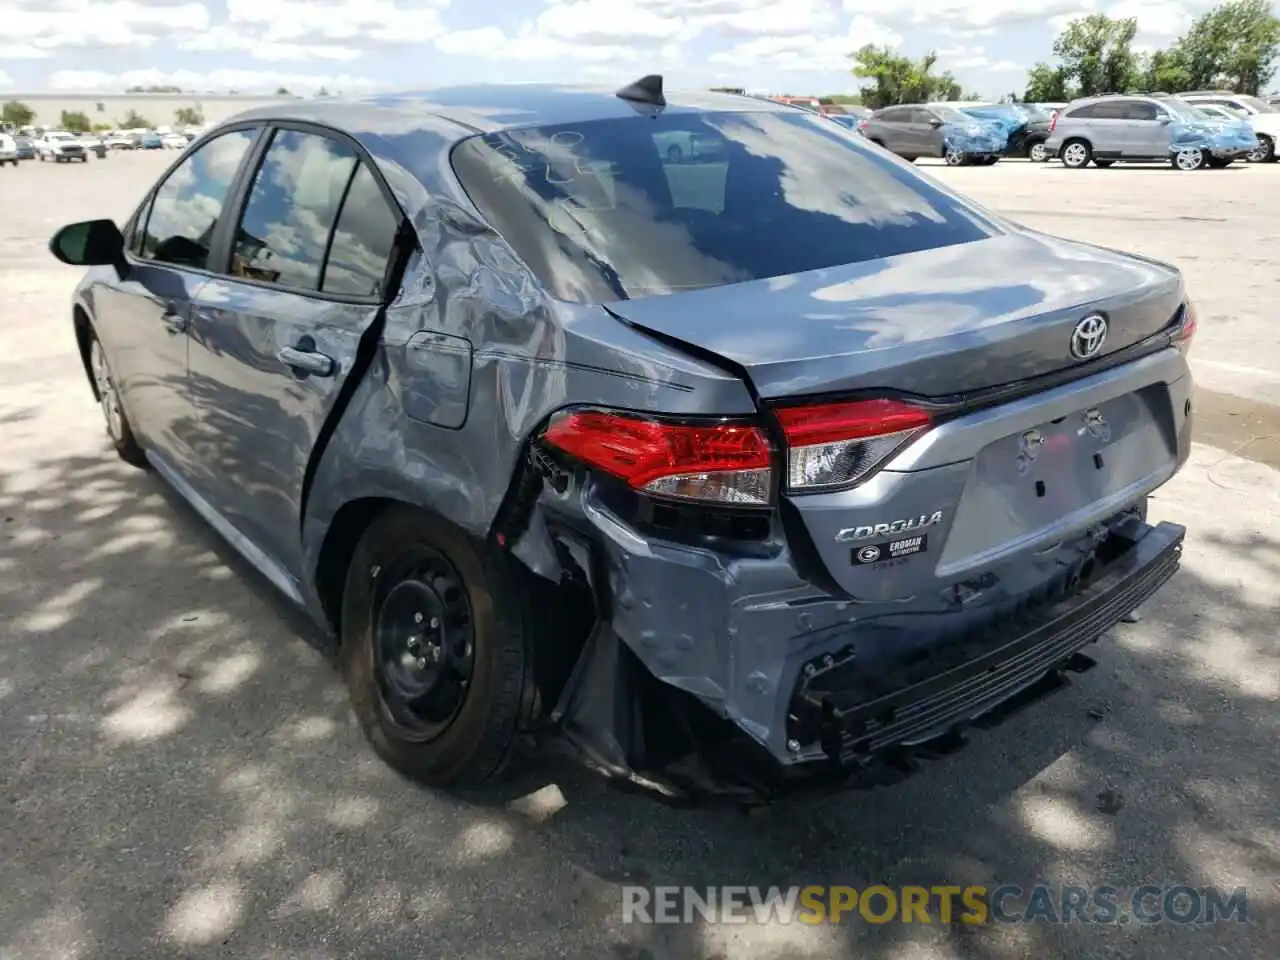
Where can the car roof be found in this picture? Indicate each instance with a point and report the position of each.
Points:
(490, 107)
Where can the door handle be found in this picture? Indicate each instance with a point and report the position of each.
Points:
(305, 358)
(174, 322)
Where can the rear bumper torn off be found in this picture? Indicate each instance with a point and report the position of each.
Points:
(978, 673)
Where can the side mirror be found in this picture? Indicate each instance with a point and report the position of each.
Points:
(1165, 119)
(90, 243)
(935, 123)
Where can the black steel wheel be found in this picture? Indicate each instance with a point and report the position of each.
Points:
(433, 649)
(424, 651)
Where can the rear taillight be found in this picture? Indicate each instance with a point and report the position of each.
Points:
(837, 444)
(722, 463)
(1053, 122)
(1186, 329)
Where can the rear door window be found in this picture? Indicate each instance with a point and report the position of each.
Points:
(600, 211)
(1087, 112)
(284, 231)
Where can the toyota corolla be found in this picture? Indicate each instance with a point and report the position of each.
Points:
(763, 471)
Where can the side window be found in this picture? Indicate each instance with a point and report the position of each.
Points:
(291, 210)
(179, 226)
(1088, 112)
(1140, 110)
(1110, 110)
(895, 116)
(362, 240)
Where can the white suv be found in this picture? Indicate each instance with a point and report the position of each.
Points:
(61, 147)
(1262, 116)
(8, 150)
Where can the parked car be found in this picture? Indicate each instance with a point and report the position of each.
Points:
(94, 144)
(765, 477)
(1026, 127)
(174, 141)
(60, 146)
(26, 147)
(8, 150)
(121, 141)
(1144, 129)
(1263, 118)
(150, 141)
(918, 130)
(1226, 118)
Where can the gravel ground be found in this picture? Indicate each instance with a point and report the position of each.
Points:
(182, 778)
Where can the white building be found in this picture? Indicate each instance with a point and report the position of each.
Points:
(158, 109)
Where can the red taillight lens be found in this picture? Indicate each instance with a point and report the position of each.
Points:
(1187, 329)
(728, 463)
(1053, 122)
(836, 444)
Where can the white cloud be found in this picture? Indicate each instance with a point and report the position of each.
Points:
(808, 52)
(246, 81)
(38, 29)
(964, 17)
(492, 44)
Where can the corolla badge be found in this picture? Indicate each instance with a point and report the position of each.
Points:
(1088, 336)
(890, 529)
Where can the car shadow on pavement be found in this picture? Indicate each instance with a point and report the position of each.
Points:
(182, 777)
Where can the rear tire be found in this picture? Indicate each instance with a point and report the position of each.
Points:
(1036, 152)
(441, 704)
(1266, 152)
(1076, 154)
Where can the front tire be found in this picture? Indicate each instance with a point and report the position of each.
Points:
(434, 650)
(1266, 152)
(955, 158)
(1076, 154)
(117, 422)
(1192, 159)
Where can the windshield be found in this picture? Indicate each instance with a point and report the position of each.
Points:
(620, 209)
(59, 136)
(1029, 111)
(1182, 109)
(951, 115)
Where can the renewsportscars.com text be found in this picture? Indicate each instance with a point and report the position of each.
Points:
(974, 904)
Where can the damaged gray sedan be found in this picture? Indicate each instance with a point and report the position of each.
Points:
(770, 465)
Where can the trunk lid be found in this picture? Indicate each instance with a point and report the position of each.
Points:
(937, 322)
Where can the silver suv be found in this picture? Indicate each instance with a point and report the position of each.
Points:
(1102, 130)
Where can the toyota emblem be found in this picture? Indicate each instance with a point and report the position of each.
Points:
(869, 554)
(1089, 336)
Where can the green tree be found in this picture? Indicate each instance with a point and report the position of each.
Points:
(1163, 70)
(899, 79)
(17, 113)
(189, 116)
(323, 92)
(134, 121)
(1048, 84)
(1097, 53)
(74, 121)
(1235, 45)
(283, 92)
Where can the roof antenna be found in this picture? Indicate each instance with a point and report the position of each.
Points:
(646, 90)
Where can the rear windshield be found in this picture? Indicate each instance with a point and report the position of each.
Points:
(621, 209)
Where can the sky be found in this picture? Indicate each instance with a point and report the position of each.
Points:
(352, 46)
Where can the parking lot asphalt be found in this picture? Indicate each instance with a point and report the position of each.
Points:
(181, 776)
